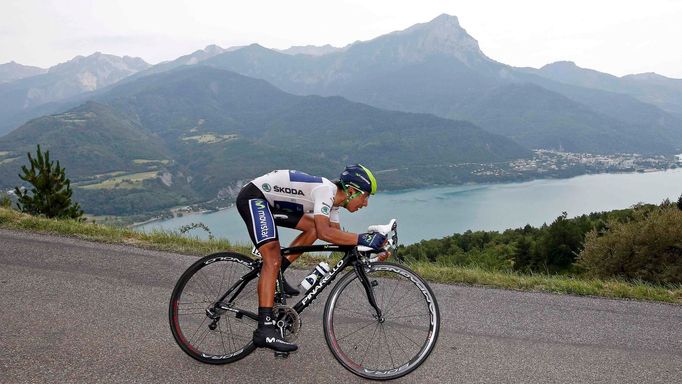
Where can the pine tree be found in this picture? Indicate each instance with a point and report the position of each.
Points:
(51, 192)
(679, 203)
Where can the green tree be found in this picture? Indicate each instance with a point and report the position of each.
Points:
(648, 248)
(51, 189)
(560, 243)
(523, 254)
(679, 203)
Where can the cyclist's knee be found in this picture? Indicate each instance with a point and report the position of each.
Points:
(311, 235)
(271, 253)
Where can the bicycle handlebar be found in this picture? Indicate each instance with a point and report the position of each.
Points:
(385, 230)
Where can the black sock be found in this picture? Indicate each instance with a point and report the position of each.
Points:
(265, 316)
(284, 264)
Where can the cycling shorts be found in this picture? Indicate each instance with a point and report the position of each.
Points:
(261, 218)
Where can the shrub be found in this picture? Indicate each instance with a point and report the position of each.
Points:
(649, 247)
(5, 201)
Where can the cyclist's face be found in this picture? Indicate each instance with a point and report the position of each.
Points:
(358, 202)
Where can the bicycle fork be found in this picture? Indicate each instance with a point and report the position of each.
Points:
(369, 290)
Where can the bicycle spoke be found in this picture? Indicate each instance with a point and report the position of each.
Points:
(202, 334)
(393, 291)
(352, 311)
(413, 302)
(229, 326)
(222, 278)
(389, 347)
(410, 339)
(397, 341)
(201, 312)
(211, 289)
(406, 316)
(369, 344)
(354, 332)
(222, 340)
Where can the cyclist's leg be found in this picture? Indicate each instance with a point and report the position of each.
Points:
(255, 212)
(271, 264)
(295, 219)
(267, 335)
(307, 236)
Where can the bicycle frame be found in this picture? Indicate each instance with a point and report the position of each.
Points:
(351, 256)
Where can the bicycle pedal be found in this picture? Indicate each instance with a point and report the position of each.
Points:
(281, 355)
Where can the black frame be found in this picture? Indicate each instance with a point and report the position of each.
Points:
(351, 256)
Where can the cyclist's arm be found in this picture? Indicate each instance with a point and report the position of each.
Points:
(335, 225)
(326, 231)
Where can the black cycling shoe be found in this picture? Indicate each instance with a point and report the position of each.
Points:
(288, 289)
(269, 337)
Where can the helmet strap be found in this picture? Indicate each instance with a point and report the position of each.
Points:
(349, 197)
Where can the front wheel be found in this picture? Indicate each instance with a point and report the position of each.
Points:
(391, 346)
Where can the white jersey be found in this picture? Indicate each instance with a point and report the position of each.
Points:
(295, 191)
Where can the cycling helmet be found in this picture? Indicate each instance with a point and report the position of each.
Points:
(360, 178)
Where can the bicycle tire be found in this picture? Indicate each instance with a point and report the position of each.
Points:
(397, 289)
(198, 288)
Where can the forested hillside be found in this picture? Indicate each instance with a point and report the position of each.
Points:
(643, 242)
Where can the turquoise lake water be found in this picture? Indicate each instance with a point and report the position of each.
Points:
(437, 212)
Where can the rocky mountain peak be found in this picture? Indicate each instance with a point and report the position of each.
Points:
(213, 49)
(14, 71)
(440, 36)
(311, 50)
(100, 61)
(560, 64)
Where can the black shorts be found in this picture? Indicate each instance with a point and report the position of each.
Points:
(261, 218)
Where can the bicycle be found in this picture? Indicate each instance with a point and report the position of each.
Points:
(213, 309)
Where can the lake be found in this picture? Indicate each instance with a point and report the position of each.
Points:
(437, 212)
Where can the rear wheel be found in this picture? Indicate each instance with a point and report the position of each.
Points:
(387, 348)
(210, 337)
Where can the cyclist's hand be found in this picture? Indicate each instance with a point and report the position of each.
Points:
(373, 240)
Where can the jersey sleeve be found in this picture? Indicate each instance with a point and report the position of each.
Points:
(334, 215)
(323, 197)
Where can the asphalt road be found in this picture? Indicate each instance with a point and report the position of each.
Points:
(75, 311)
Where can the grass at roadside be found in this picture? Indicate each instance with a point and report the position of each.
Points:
(174, 242)
(159, 240)
(612, 288)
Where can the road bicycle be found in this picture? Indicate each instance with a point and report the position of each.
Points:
(381, 320)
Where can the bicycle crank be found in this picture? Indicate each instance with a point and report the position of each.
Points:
(288, 321)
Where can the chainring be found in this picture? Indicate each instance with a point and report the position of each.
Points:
(288, 321)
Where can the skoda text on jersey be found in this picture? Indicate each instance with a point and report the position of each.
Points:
(263, 224)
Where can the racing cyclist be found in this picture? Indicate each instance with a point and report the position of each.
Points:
(310, 204)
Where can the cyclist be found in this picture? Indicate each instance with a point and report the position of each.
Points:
(310, 204)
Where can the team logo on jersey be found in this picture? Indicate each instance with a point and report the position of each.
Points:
(325, 210)
(266, 187)
(291, 191)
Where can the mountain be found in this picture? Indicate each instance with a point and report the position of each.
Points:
(661, 91)
(74, 77)
(311, 50)
(190, 59)
(202, 130)
(438, 68)
(14, 71)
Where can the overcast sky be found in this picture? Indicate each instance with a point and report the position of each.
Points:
(618, 37)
